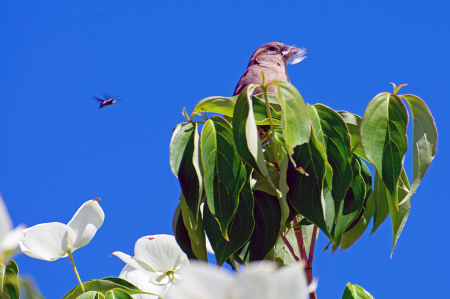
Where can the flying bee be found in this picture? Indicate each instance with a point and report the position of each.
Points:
(109, 100)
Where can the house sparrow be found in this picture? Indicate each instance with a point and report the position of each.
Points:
(271, 59)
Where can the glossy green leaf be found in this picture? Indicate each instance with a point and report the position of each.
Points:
(246, 136)
(219, 105)
(353, 122)
(91, 295)
(284, 188)
(282, 254)
(353, 202)
(28, 288)
(188, 220)
(103, 286)
(267, 214)
(424, 140)
(383, 135)
(240, 229)
(353, 291)
(2, 277)
(224, 171)
(260, 111)
(189, 173)
(10, 283)
(332, 133)
(306, 191)
(294, 120)
(117, 294)
(196, 234)
(399, 217)
(180, 139)
(351, 235)
(181, 233)
(263, 185)
(381, 202)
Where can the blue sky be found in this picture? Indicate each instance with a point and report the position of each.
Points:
(59, 150)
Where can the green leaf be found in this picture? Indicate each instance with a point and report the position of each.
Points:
(399, 217)
(353, 291)
(353, 122)
(267, 213)
(10, 281)
(181, 233)
(117, 294)
(383, 135)
(351, 235)
(424, 140)
(282, 254)
(284, 188)
(332, 133)
(294, 120)
(381, 202)
(219, 105)
(189, 172)
(240, 229)
(224, 171)
(180, 139)
(103, 286)
(306, 192)
(2, 277)
(246, 136)
(27, 288)
(91, 295)
(353, 202)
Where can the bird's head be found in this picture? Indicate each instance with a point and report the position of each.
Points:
(277, 53)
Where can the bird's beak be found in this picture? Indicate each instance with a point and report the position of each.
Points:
(294, 55)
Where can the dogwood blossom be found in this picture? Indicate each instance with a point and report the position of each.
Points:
(158, 258)
(256, 282)
(51, 241)
(9, 237)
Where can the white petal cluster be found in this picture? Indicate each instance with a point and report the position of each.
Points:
(9, 237)
(155, 265)
(256, 282)
(51, 241)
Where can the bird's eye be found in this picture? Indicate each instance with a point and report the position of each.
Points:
(272, 48)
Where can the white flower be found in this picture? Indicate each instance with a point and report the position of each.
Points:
(51, 241)
(158, 257)
(256, 282)
(139, 279)
(9, 237)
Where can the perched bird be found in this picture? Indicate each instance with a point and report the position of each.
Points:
(109, 100)
(271, 59)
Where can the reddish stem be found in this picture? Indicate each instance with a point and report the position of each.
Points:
(299, 236)
(309, 260)
(289, 246)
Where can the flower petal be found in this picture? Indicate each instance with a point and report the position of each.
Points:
(257, 282)
(201, 282)
(161, 252)
(291, 281)
(11, 239)
(131, 261)
(139, 279)
(86, 221)
(5, 220)
(47, 241)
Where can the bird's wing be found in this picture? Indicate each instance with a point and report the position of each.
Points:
(97, 99)
(107, 96)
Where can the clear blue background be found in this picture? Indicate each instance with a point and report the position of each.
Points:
(59, 150)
